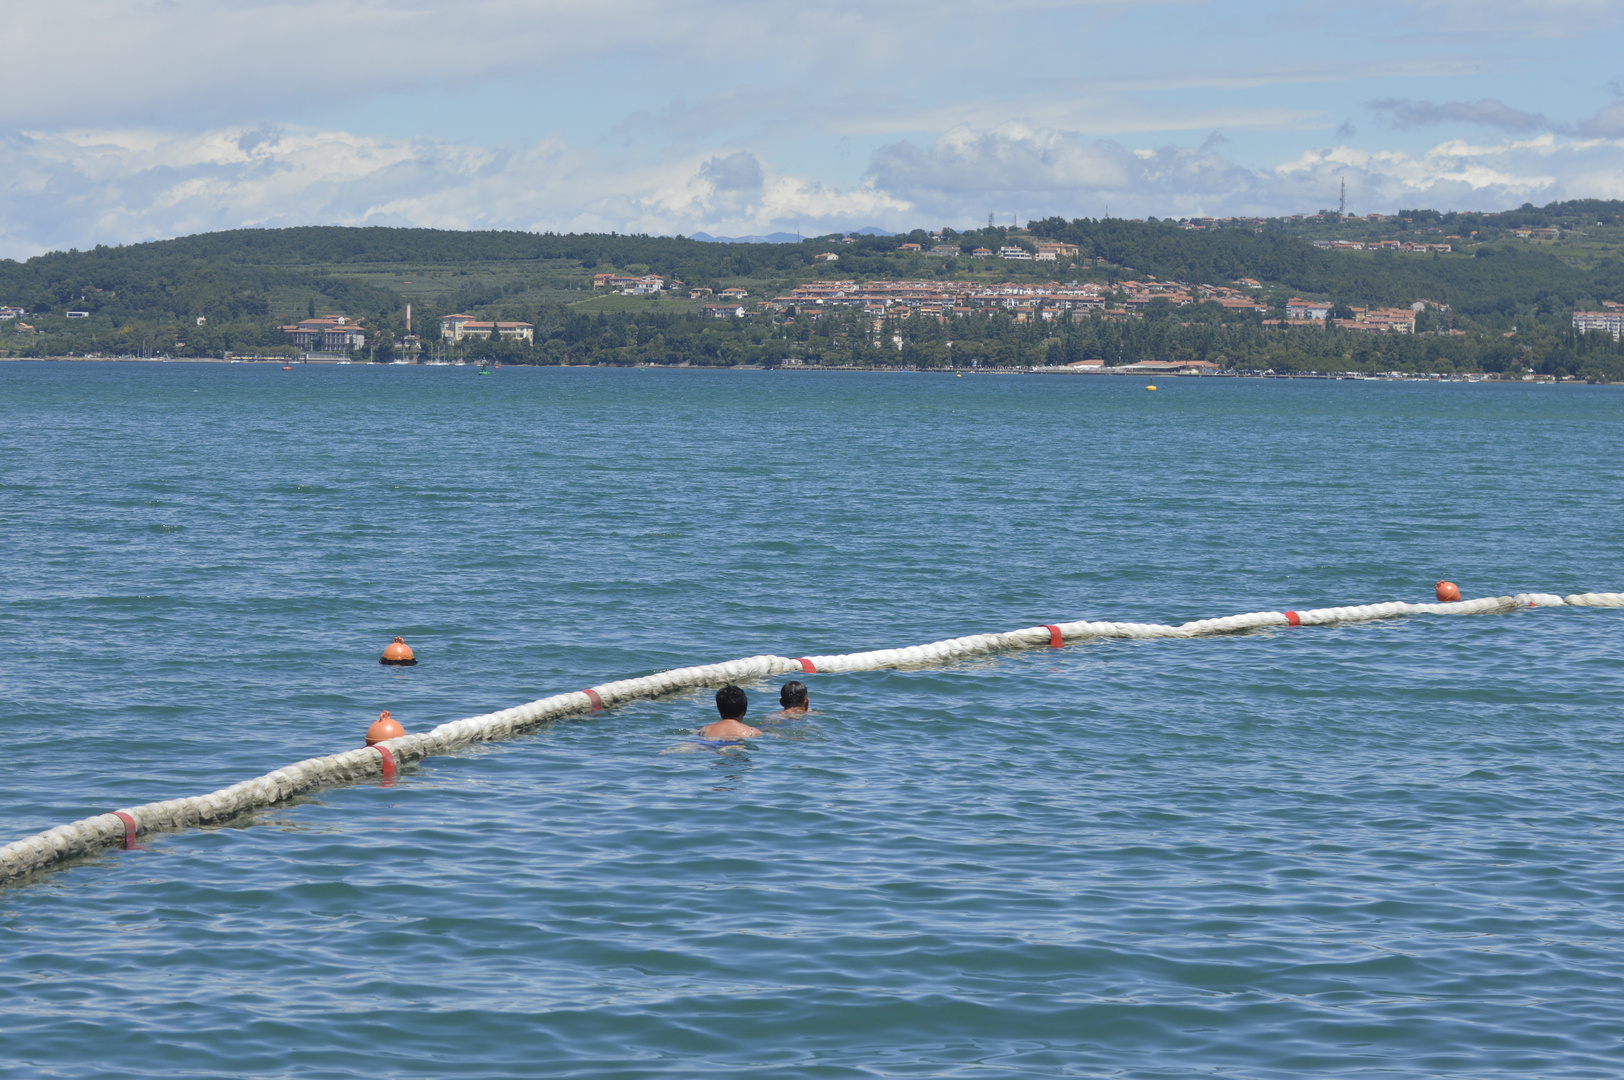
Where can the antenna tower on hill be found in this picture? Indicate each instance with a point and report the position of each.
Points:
(1342, 204)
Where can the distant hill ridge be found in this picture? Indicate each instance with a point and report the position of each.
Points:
(779, 237)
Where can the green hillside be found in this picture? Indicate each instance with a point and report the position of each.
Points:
(1506, 299)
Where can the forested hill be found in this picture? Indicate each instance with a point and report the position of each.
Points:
(322, 246)
(1485, 279)
(229, 291)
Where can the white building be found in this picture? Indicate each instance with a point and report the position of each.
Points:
(331, 333)
(1610, 321)
(462, 327)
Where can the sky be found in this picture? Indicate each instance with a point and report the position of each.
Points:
(132, 120)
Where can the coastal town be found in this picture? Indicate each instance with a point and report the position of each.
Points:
(1027, 301)
(1316, 292)
(1040, 301)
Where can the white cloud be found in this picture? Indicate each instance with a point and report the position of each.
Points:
(966, 173)
(87, 187)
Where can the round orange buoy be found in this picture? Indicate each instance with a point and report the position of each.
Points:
(1448, 593)
(398, 654)
(384, 727)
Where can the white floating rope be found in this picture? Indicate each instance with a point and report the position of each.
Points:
(124, 827)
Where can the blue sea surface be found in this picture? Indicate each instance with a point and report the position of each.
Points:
(1378, 850)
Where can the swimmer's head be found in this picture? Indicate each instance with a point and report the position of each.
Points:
(731, 703)
(793, 695)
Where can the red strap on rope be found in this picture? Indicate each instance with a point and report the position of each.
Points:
(807, 666)
(389, 769)
(129, 828)
(597, 702)
(1055, 640)
(1292, 619)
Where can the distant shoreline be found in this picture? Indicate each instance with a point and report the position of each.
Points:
(1352, 376)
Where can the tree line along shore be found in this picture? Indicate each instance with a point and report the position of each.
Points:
(1490, 293)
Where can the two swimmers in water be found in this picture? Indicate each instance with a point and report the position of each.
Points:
(732, 704)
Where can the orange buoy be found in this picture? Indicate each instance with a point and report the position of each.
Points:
(398, 654)
(1448, 592)
(384, 727)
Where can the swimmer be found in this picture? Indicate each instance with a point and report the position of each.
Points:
(794, 701)
(732, 704)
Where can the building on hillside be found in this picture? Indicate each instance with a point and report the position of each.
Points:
(724, 311)
(981, 253)
(1380, 320)
(12, 313)
(1610, 321)
(451, 326)
(1011, 251)
(827, 256)
(1240, 303)
(1298, 308)
(909, 247)
(328, 333)
(945, 250)
(637, 286)
(455, 328)
(699, 294)
(735, 293)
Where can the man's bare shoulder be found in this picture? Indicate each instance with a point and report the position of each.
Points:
(729, 729)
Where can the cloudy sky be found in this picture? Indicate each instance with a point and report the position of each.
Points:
(130, 120)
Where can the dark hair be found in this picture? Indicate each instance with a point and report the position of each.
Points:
(731, 703)
(793, 694)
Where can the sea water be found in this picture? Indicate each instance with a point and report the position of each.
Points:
(1380, 850)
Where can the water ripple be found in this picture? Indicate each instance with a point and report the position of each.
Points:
(1371, 851)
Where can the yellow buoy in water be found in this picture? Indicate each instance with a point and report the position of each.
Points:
(1151, 387)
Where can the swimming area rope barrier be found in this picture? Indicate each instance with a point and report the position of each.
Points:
(122, 828)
